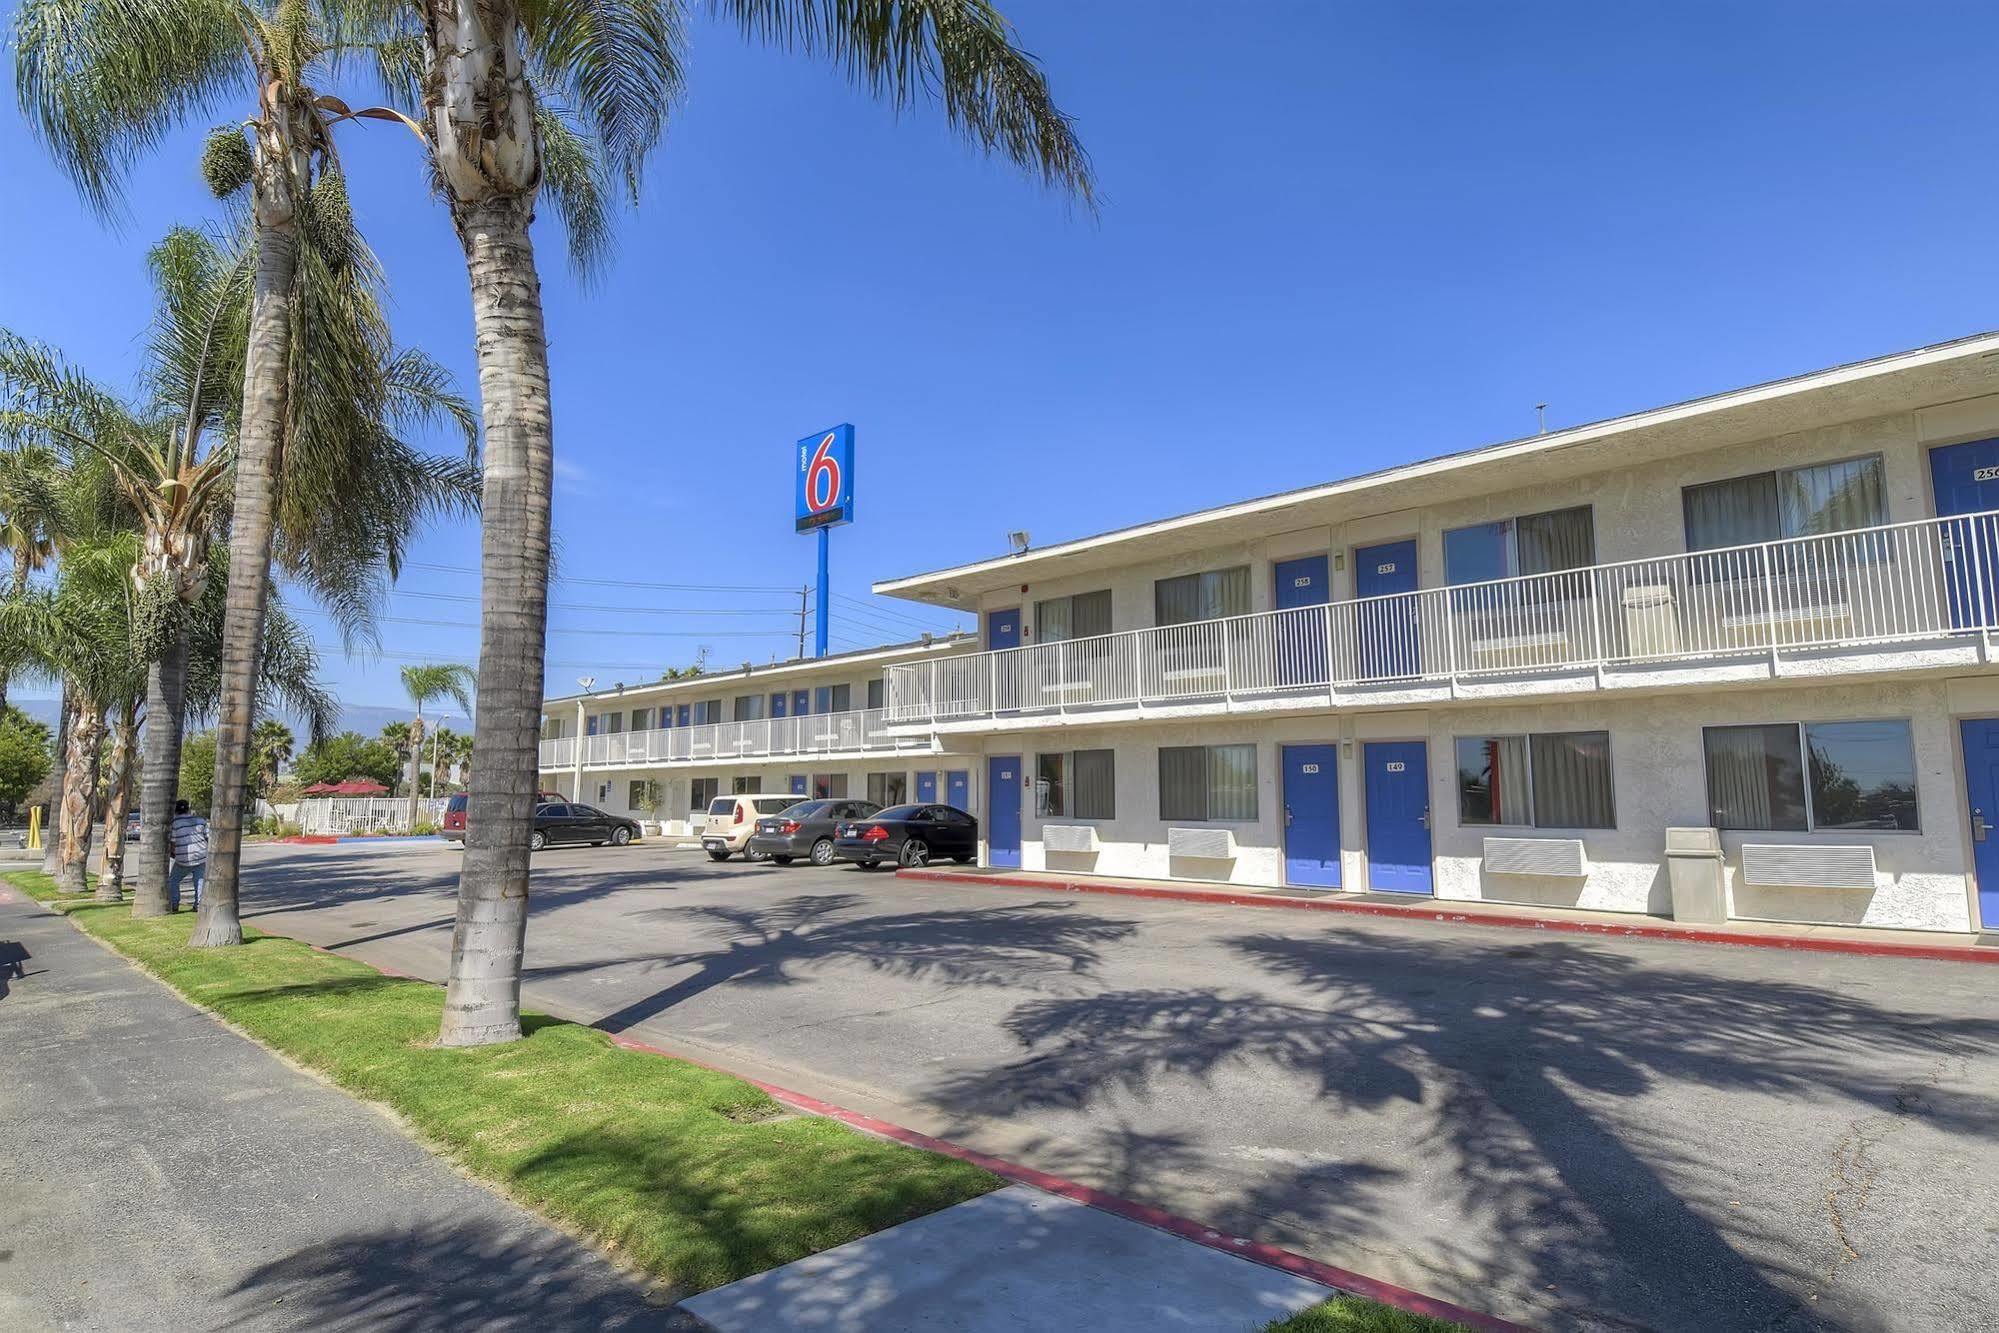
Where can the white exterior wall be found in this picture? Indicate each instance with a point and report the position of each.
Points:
(1658, 777)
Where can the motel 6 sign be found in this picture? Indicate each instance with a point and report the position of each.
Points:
(825, 479)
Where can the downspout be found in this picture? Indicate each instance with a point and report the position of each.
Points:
(576, 780)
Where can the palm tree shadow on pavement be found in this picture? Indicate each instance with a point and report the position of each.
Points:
(1520, 1067)
(771, 944)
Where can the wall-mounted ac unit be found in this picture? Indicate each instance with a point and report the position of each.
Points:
(1802, 866)
(1536, 856)
(1211, 844)
(1651, 621)
(1068, 838)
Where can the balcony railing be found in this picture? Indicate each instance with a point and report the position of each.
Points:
(815, 733)
(1904, 582)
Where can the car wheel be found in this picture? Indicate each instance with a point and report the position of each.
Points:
(822, 852)
(749, 855)
(782, 860)
(718, 854)
(915, 852)
(537, 840)
(621, 837)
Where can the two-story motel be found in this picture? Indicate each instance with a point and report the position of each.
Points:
(810, 727)
(1763, 620)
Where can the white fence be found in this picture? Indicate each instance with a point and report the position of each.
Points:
(365, 814)
(815, 733)
(1928, 580)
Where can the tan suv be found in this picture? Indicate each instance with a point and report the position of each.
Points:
(732, 819)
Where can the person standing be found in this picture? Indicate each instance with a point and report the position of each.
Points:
(189, 845)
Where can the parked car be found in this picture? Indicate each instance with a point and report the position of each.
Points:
(731, 820)
(453, 827)
(132, 826)
(566, 822)
(806, 829)
(910, 835)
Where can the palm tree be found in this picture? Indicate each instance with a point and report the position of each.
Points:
(27, 513)
(103, 81)
(501, 89)
(118, 794)
(424, 684)
(271, 745)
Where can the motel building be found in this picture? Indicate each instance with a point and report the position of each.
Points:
(1731, 658)
(812, 727)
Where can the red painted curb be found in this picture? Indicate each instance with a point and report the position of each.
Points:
(1271, 1256)
(309, 840)
(1944, 953)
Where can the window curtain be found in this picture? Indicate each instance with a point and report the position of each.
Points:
(1492, 780)
(1477, 553)
(1090, 614)
(1183, 782)
(1735, 512)
(1177, 601)
(1832, 497)
(1232, 782)
(1093, 784)
(1225, 592)
(1572, 786)
(1753, 777)
(1564, 539)
(1052, 622)
(875, 688)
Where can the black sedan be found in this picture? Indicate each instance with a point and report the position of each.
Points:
(557, 822)
(910, 835)
(806, 829)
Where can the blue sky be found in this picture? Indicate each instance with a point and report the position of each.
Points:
(1334, 237)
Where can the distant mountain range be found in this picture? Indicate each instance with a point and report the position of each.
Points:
(364, 718)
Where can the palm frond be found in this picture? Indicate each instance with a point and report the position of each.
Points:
(963, 53)
(617, 64)
(104, 81)
(575, 179)
(420, 396)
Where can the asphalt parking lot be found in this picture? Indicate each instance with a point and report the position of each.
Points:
(1569, 1131)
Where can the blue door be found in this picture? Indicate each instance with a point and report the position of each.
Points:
(1965, 478)
(1003, 629)
(680, 716)
(1981, 792)
(1301, 638)
(1397, 777)
(1386, 630)
(1003, 811)
(1312, 816)
(777, 702)
(958, 789)
(798, 784)
(801, 703)
(926, 788)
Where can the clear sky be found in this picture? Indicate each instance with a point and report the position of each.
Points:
(1334, 236)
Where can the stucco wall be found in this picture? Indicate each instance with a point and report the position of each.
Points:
(776, 777)
(1658, 776)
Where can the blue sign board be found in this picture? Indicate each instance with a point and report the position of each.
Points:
(825, 487)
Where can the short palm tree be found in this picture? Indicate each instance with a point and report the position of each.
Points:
(428, 683)
(27, 515)
(497, 86)
(271, 745)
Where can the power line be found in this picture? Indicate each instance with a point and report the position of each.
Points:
(618, 583)
(465, 597)
(888, 612)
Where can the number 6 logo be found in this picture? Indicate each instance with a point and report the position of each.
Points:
(822, 477)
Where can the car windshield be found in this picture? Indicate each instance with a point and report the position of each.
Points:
(773, 805)
(897, 812)
(807, 809)
(455, 804)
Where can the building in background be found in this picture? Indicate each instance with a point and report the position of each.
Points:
(808, 727)
(1505, 674)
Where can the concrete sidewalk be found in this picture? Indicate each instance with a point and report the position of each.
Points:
(158, 1171)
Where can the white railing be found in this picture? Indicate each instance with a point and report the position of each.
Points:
(1928, 580)
(322, 815)
(815, 733)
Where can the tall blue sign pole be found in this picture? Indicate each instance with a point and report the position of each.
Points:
(824, 500)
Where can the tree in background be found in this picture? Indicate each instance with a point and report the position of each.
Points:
(197, 771)
(347, 755)
(120, 765)
(271, 747)
(500, 89)
(24, 758)
(450, 750)
(28, 506)
(430, 683)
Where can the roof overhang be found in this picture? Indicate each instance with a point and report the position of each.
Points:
(709, 681)
(1928, 376)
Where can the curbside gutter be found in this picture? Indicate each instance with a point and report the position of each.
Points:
(1431, 910)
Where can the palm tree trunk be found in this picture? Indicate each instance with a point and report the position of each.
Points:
(79, 793)
(159, 775)
(124, 735)
(49, 839)
(259, 445)
(482, 1000)
(416, 764)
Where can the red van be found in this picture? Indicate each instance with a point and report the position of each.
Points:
(453, 829)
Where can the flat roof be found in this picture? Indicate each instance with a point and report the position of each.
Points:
(1940, 372)
(795, 666)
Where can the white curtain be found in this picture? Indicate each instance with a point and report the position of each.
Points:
(1232, 782)
(1572, 781)
(1754, 778)
(1735, 512)
(1832, 497)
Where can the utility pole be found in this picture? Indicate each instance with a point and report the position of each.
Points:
(804, 597)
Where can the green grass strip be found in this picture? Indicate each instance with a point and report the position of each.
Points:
(695, 1177)
(1351, 1314)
